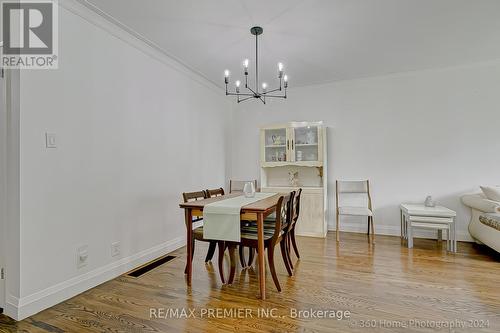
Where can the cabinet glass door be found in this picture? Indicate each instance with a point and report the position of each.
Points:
(306, 143)
(275, 144)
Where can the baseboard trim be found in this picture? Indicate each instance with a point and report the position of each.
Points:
(391, 230)
(24, 307)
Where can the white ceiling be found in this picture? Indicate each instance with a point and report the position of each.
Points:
(317, 40)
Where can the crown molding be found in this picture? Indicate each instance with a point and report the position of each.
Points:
(94, 15)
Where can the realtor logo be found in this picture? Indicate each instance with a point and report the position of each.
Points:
(29, 32)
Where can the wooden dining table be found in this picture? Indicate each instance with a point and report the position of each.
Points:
(256, 211)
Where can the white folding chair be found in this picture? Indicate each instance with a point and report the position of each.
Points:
(238, 185)
(356, 189)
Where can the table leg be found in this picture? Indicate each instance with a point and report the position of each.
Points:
(454, 235)
(452, 238)
(261, 249)
(405, 227)
(448, 238)
(409, 232)
(189, 239)
(440, 235)
(401, 218)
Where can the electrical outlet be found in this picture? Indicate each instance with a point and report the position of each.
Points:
(115, 249)
(82, 255)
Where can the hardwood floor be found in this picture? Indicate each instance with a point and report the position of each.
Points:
(385, 286)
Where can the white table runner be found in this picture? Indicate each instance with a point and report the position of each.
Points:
(222, 218)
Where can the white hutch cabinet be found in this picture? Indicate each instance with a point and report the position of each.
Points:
(297, 148)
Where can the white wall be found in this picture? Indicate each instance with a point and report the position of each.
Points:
(413, 134)
(134, 130)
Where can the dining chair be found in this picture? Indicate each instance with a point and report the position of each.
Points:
(221, 244)
(273, 235)
(353, 191)
(270, 220)
(293, 223)
(198, 231)
(215, 192)
(237, 185)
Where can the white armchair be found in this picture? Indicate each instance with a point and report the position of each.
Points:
(480, 232)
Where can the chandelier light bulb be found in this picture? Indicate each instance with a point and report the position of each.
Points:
(285, 78)
(226, 76)
(245, 66)
(238, 83)
(280, 70)
(264, 86)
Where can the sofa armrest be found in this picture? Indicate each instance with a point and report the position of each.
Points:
(480, 203)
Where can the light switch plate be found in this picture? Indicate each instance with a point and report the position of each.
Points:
(50, 140)
(115, 249)
(82, 255)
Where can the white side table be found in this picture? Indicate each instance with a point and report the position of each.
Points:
(437, 218)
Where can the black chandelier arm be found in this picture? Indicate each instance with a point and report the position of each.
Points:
(275, 96)
(239, 94)
(244, 99)
(253, 92)
(270, 91)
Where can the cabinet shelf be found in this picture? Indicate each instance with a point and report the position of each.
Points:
(306, 144)
(275, 146)
(272, 164)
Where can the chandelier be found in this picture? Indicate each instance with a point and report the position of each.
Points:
(251, 93)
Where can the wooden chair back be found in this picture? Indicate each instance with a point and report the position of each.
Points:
(237, 185)
(284, 213)
(215, 192)
(296, 207)
(195, 196)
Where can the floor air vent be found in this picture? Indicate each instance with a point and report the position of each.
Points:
(149, 266)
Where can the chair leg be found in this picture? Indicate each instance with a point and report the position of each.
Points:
(368, 219)
(251, 255)
(232, 257)
(192, 256)
(294, 243)
(337, 232)
(373, 230)
(284, 254)
(222, 248)
(288, 246)
(241, 251)
(270, 259)
(211, 251)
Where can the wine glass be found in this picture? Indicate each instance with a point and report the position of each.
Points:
(249, 190)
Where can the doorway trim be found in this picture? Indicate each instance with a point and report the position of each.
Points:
(3, 181)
